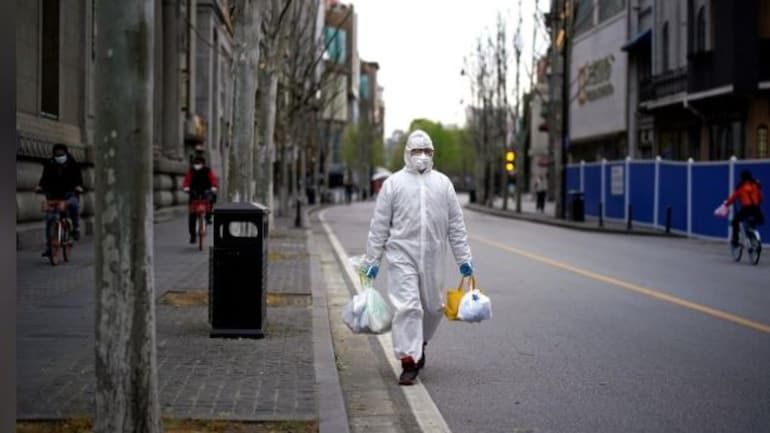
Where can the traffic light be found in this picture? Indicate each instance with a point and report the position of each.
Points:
(510, 161)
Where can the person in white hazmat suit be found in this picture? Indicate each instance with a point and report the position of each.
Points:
(416, 213)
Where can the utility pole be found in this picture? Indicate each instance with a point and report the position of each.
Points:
(565, 105)
(520, 143)
(125, 355)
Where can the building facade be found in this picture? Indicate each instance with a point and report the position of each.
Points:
(598, 93)
(55, 104)
(341, 92)
(709, 93)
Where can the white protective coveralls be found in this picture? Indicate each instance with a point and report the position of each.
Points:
(415, 215)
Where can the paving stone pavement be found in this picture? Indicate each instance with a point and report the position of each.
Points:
(199, 377)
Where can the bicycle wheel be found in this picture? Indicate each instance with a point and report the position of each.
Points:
(755, 250)
(736, 251)
(201, 231)
(66, 240)
(55, 240)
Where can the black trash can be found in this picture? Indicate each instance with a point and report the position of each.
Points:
(238, 271)
(577, 206)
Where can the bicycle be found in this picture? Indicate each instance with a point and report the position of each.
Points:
(59, 236)
(200, 205)
(750, 240)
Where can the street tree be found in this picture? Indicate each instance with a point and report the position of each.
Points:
(241, 183)
(126, 397)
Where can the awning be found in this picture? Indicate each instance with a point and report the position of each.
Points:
(640, 40)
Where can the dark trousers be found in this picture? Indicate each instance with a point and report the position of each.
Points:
(751, 213)
(541, 201)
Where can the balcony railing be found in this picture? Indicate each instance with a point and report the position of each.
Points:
(659, 86)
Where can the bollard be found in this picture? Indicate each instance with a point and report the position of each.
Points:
(601, 214)
(298, 217)
(668, 220)
(629, 223)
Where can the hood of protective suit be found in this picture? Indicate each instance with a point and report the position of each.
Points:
(418, 139)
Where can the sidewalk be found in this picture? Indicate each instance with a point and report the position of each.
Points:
(278, 378)
(591, 224)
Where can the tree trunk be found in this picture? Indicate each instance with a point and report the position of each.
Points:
(241, 184)
(125, 355)
(283, 189)
(268, 82)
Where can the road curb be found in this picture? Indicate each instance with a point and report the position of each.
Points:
(565, 224)
(332, 415)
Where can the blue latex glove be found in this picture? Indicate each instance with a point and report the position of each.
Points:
(371, 271)
(466, 269)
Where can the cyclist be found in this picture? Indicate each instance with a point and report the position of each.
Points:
(200, 181)
(749, 194)
(61, 180)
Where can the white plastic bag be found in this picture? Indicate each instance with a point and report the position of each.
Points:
(475, 307)
(358, 263)
(368, 312)
(722, 211)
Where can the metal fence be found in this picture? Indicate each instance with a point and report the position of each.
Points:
(658, 193)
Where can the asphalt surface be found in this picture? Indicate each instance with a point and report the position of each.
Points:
(597, 333)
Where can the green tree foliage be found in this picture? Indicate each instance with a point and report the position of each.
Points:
(354, 138)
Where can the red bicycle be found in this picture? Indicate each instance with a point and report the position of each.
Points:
(200, 205)
(59, 234)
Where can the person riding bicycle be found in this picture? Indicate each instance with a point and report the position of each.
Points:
(200, 182)
(61, 180)
(749, 194)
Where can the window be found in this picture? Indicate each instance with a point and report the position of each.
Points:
(364, 86)
(584, 16)
(610, 8)
(336, 44)
(664, 48)
(700, 36)
(49, 74)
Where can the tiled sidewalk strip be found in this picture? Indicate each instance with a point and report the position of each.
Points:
(199, 377)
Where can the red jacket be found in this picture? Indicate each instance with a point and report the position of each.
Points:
(748, 193)
(200, 180)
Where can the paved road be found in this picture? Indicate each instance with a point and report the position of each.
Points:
(598, 333)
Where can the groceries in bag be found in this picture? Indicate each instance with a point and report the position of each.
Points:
(368, 312)
(454, 295)
(474, 307)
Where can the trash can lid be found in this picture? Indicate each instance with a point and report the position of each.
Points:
(241, 207)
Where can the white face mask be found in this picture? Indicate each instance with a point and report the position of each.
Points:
(198, 166)
(422, 162)
(61, 159)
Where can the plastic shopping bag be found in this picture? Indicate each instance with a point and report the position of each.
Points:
(453, 297)
(368, 312)
(475, 307)
(722, 211)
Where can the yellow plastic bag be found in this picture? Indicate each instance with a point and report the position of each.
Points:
(453, 297)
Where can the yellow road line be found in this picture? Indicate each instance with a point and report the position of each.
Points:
(761, 327)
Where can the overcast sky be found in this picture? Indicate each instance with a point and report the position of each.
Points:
(420, 44)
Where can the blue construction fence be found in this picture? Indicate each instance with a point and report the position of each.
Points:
(648, 188)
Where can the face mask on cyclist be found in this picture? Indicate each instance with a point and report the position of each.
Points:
(61, 159)
(197, 166)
